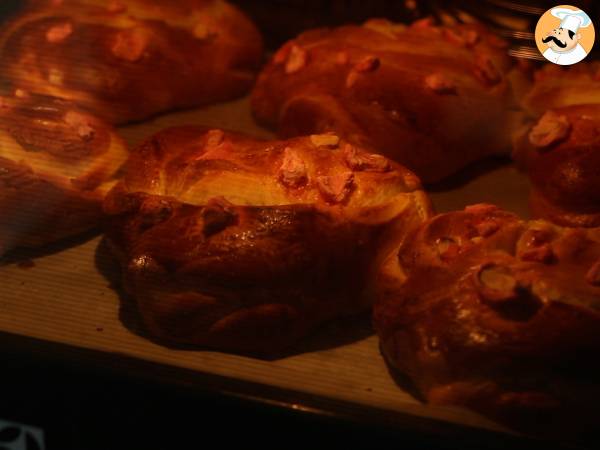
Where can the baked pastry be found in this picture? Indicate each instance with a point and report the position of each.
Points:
(481, 309)
(245, 245)
(561, 154)
(556, 86)
(56, 164)
(127, 60)
(560, 148)
(433, 98)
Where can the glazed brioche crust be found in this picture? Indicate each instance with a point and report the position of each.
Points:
(130, 59)
(482, 309)
(56, 164)
(561, 153)
(560, 147)
(558, 87)
(246, 245)
(432, 98)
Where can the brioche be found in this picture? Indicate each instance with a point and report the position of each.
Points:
(561, 154)
(481, 309)
(127, 60)
(556, 87)
(244, 245)
(560, 148)
(433, 98)
(56, 164)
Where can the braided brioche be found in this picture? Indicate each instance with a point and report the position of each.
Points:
(430, 97)
(127, 60)
(56, 164)
(245, 245)
(482, 309)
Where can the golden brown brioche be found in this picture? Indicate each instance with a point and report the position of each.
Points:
(481, 309)
(246, 245)
(561, 153)
(127, 60)
(56, 164)
(430, 97)
(556, 86)
(560, 148)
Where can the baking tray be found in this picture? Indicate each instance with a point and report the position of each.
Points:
(64, 301)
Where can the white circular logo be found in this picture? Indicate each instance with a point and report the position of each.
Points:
(565, 35)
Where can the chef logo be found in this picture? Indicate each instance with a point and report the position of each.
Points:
(565, 35)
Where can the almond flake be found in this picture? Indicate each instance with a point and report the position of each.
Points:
(385, 27)
(292, 172)
(487, 228)
(336, 188)
(486, 71)
(464, 38)
(81, 123)
(497, 283)
(58, 33)
(471, 37)
(56, 76)
(550, 130)
(440, 84)
(351, 79)
(542, 254)
(427, 22)
(129, 45)
(203, 31)
(593, 275)
(362, 161)
(282, 54)
(324, 140)
(214, 138)
(297, 59)
(341, 58)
